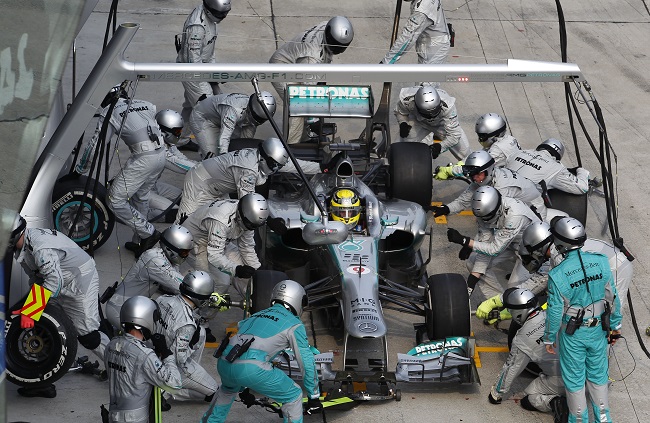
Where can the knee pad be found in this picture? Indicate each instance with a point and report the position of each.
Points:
(90, 340)
(526, 405)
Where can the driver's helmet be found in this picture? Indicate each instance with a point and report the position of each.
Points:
(346, 207)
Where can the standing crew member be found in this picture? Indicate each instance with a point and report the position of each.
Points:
(259, 339)
(133, 367)
(583, 306)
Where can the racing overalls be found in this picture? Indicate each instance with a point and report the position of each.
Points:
(444, 127)
(527, 346)
(128, 195)
(196, 46)
(274, 329)
(582, 282)
(427, 28)
(55, 262)
(221, 243)
(133, 369)
(218, 118)
(163, 194)
(510, 185)
(217, 177)
(150, 271)
(306, 47)
(502, 148)
(495, 246)
(178, 324)
(541, 165)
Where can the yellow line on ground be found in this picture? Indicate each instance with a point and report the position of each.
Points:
(492, 349)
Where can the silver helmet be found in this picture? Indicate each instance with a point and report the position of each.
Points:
(486, 204)
(216, 10)
(338, 34)
(171, 124)
(535, 243)
(176, 242)
(291, 295)
(489, 127)
(140, 312)
(17, 229)
(568, 234)
(553, 146)
(520, 302)
(273, 156)
(478, 162)
(427, 101)
(256, 110)
(253, 210)
(197, 286)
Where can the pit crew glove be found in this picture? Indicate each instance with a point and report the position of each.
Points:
(454, 236)
(244, 271)
(160, 346)
(497, 316)
(439, 210)
(449, 171)
(219, 301)
(465, 252)
(26, 322)
(247, 398)
(494, 396)
(404, 129)
(277, 225)
(313, 406)
(195, 337)
(487, 306)
(436, 148)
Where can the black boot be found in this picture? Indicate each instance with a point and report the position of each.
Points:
(526, 405)
(148, 242)
(164, 404)
(560, 410)
(47, 391)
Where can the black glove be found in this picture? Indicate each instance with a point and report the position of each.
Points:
(436, 148)
(464, 252)
(277, 225)
(195, 337)
(313, 406)
(439, 210)
(454, 236)
(472, 281)
(326, 167)
(160, 346)
(404, 129)
(573, 170)
(247, 398)
(244, 271)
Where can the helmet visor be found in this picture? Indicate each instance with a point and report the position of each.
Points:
(431, 113)
(334, 46)
(216, 14)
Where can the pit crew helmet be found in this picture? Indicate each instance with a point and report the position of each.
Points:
(427, 102)
(273, 156)
(197, 286)
(141, 313)
(346, 207)
(489, 128)
(568, 234)
(478, 162)
(520, 302)
(256, 110)
(553, 146)
(171, 124)
(535, 243)
(176, 243)
(216, 10)
(291, 295)
(338, 34)
(17, 229)
(486, 204)
(253, 210)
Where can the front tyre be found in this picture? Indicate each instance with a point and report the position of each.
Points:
(263, 283)
(41, 355)
(448, 312)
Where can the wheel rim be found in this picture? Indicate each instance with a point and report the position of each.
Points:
(33, 347)
(66, 215)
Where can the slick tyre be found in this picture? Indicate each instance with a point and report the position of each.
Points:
(263, 283)
(238, 144)
(42, 355)
(575, 205)
(410, 172)
(448, 312)
(89, 230)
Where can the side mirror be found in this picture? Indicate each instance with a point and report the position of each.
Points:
(389, 221)
(317, 233)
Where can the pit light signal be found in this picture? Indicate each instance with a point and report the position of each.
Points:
(458, 79)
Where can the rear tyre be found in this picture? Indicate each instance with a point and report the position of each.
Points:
(67, 197)
(448, 312)
(575, 205)
(263, 283)
(409, 170)
(42, 355)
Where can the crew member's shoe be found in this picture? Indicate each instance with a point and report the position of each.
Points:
(560, 410)
(147, 243)
(47, 391)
